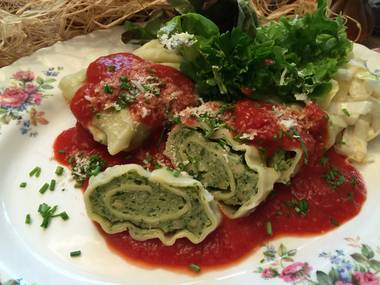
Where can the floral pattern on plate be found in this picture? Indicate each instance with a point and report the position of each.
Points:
(20, 100)
(359, 267)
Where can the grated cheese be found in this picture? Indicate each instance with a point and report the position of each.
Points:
(177, 40)
(248, 136)
(288, 123)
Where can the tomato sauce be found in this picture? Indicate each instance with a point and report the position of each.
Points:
(154, 91)
(268, 122)
(233, 240)
(323, 195)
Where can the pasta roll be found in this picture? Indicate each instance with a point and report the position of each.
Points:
(232, 172)
(151, 205)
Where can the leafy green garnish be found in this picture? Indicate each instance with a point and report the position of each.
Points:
(334, 178)
(84, 166)
(143, 32)
(47, 212)
(301, 207)
(286, 58)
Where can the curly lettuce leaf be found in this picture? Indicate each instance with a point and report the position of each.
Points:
(290, 57)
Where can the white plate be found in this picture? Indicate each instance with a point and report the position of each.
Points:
(42, 256)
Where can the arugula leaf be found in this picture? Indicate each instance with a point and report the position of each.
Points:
(143, 32)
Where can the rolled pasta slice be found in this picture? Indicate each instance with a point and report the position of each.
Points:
(286, 163)
(233, 172)
(151, 205)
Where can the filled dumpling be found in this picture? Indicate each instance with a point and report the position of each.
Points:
(122, 99)
(234, 173)
(151, 205)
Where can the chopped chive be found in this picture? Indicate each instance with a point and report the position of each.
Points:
(176, 173)
(350, 196)
(354, 181)
(334, 222)
(107, 89)
(59, 170)
(345, 111)
(23, 184)
(334, 178)
(269, 228)
(44, 188)
(28, 219)
(47, 212)
(61, 151)
(75, 253)
(35, 172)
(52, 185)
(324, 161)
(111, 68)
(194, 267)
(63, 215)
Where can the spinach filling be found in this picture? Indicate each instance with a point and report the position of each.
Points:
(217, 166)
(148, 205)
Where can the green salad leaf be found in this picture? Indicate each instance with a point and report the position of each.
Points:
(290, 57)
(143, 32)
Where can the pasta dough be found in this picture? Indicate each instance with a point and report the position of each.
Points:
(151, 205)
(233, 172)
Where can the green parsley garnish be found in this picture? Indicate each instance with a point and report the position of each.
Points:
(301, 207)
(194, 267)
(269, 228)
(52, 185)
(124, 100)
(176, 173)
(124, 83)
(47, 212)
(75, 253)
(354, 181)
(28, 219)
(59, 170)
(324, 160)
(350, 196)
(212, 124)
(23, 184)
(61, 151)
(334, 222)
(334, 178)
(111, 68)
(35, 172)
(83, 167)
(107, 89)
(345, 111)
(44, 188)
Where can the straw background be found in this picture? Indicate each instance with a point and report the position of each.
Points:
(27, 25)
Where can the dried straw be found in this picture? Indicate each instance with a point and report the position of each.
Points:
(268, 10)
(27, 25)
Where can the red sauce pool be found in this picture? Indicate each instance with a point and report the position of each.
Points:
(236, 239)
(161, 92)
